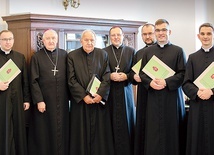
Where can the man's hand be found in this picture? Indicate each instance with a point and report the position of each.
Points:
(137, 78)
(118, 76)
(26, 105)
(97, 98)
(204, 94)
(4, 86)
(41, 107)
(88, 99)
(158, 84)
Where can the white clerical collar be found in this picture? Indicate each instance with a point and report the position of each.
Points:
(6, 52)
(117, 47)
(206, 49)
(162, 45)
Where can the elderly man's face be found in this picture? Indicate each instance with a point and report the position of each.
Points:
(50, 40)
(88, 41)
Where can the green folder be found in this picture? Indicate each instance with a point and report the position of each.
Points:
(93, 85)
(9, 71)
(155, 68)
(136, 67)
(206, 79)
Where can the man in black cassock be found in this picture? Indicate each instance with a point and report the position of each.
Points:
(200, 131)
(165, 104)
(90, 125)
(48, 130)
(148, 37)
(14, 99)
(121, 97)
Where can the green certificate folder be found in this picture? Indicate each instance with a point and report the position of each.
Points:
(155, 68)
(206, 79)
(136, 67)
(93, 87)
(9, 71)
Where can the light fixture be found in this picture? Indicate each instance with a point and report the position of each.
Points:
(73, 3)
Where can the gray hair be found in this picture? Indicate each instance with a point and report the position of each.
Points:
(88, 30)
(49, 30)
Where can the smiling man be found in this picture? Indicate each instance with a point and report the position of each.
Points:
(121, 98)
(200, 122)
(14, 99)
(165, 105)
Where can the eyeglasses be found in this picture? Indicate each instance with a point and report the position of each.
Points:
(161, 30)
(7, 39)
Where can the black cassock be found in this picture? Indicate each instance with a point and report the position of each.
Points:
(48, 131)
(12, 123)
(90, 125)
(200, 131)
(165, 108)
(121, 100)
(139, 136)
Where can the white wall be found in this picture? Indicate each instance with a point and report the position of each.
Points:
(210, 11)
(184, 16)
(181, 16)
(3, 12)
(203, 6)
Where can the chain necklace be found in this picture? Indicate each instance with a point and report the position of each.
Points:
(54, 70)
(118, 62)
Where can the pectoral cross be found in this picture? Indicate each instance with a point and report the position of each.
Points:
(54, 70)
(117, 68)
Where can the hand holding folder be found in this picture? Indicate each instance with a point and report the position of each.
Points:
(136, 67)
(155, 68)
(93, 87)
(206, 78)
(9, 71)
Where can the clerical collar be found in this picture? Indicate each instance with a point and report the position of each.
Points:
(148, 45)
(121, 46)
(207, 49)
(162, 45)
(6, 52)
